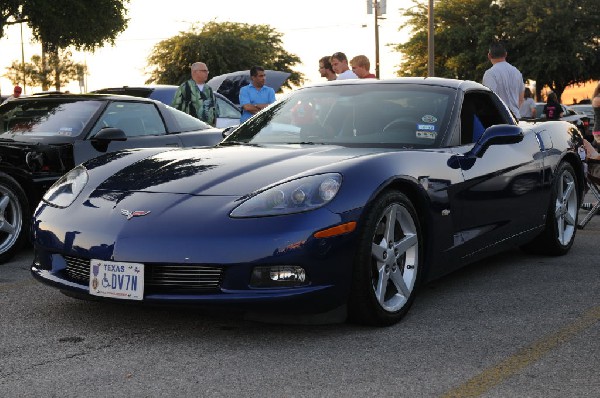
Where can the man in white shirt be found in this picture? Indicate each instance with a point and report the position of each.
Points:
(339, 63)
(504, 79)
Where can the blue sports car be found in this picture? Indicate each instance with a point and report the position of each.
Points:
(340, 199)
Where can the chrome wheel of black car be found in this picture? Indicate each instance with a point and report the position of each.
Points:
(13, 204)
(388, 266)
(561, 220)
(566, 206)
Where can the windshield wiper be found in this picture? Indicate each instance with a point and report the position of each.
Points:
(305, 143)
(227, 143)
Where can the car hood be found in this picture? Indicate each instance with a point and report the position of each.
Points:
(229, 84)
(228, 171)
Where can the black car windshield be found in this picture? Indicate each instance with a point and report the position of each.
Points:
(377, 114)
(47, 117)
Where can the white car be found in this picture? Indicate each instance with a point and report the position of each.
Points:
(587, 110)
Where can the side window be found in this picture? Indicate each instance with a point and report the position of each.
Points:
(186, 122)
(134, 118)
(226, 110)
(479, 111)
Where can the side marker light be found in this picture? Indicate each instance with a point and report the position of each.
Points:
(337, 230)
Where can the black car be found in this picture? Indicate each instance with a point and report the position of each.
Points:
(42, 137)
(229, 113)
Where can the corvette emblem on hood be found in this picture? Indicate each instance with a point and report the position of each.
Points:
(136, 213)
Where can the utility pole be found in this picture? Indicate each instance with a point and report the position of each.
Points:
(378, 8)
(23, 58)
(430, 48)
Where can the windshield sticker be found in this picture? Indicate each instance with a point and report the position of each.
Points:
(429, 119)
(429, 127)
(430, 135)
(65, 131)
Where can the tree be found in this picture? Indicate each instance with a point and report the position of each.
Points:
(38, 73)
(224, 47)
(34, 73)
(553, 43)
(10, 13)
(59, 24)
(557, 44)
(461, 37)
(85, 25)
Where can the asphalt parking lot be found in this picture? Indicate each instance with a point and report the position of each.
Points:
(515, 325)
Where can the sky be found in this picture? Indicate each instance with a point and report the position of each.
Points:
(310, 28)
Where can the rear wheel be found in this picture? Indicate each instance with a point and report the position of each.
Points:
(388, 265)
(14, 220)
(561, 220)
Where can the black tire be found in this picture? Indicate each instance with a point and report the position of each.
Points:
(14, 217)
(561, 221)
(390, 246)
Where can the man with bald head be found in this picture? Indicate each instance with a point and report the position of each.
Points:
(196, 98)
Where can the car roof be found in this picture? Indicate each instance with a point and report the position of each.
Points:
(581, 106)
(141, 89)
(427, 81)
(146, 92)
(87, 97)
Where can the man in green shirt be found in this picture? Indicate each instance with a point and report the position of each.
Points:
(196, 98)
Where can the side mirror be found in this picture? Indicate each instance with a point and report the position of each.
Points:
(110, 134)
(501, 134)
(105, 136)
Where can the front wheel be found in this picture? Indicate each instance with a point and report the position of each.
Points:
(14, 221)
(388, 266)
(561, 220)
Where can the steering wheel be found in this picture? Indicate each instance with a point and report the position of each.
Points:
(400, 125)
(313, 131)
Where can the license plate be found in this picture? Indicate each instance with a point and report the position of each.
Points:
(117, 279)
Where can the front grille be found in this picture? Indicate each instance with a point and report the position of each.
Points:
(193, 277)
(78, 269)
(159, 278)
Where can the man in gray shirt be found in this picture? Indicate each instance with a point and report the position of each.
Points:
(504, 79)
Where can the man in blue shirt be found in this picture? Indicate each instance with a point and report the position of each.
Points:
(255, 96)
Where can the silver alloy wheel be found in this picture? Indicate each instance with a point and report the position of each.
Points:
(394, 250)
(565, 212)
(11, 220)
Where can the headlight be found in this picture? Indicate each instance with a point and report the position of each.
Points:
(65, 190)
(295, 196)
